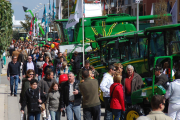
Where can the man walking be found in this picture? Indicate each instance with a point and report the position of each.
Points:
(13, 74)
(29, 65)
(46, 82)
(91, 103)
(86, 67)
(76, 62)
(71, 98)
(107, 81)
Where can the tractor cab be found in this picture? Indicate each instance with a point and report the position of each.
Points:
(141, 98)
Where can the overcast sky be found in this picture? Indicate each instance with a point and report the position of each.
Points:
(31, 4)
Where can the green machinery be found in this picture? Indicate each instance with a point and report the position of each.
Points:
(140, 49)
(144, 50)
(96, 27)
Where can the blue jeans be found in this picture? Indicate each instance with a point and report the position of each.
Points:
(55, 115)
(39, 77)
(13, 79)
(108, 114)
(31, 115)
(73, 108)
(116, 113)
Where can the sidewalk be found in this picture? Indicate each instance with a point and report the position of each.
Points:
(9, 105)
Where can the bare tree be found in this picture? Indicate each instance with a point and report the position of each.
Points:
(161, 11)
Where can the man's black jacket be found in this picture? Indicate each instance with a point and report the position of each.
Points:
(64, 99)
(161, 80)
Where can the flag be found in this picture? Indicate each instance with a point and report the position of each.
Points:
(168, 7)
(152, 12)
(59, 14)
(54, 13)
(49, 20)
(74, 18)
(174, 13)
(43, 19)
(30, 32)
(25, 8)
(37, 27)
(34, 27)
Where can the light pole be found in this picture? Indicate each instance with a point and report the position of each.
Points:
(137, 20)
(83, 29)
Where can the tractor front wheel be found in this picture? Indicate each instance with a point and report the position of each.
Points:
(133, 112)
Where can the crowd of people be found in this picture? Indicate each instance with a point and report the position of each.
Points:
(49, 89)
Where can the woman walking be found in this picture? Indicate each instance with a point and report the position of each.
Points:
(52, 104)
(117, 97)
(33, 98)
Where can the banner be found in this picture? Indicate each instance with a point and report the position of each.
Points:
(93, 10)
(152, 12)
(74, 18)
(174, 13)
(59, 15)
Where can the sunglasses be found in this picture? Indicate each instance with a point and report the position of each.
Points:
(29, 58)
(31, 74)
(14, 58)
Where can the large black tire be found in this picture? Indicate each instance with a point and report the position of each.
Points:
(133, 112)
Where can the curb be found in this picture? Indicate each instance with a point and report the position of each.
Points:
(4, 74)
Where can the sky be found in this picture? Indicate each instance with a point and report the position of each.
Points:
(30, 4)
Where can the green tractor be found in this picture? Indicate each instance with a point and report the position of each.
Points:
(141, 98)
(96, 27)
(139, 49)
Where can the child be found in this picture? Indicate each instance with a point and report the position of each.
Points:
(33, 98)
(52, 104)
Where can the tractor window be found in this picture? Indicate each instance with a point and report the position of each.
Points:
(143, 44)
(134, 49)
(124, 53)
(114, 55)
(173, 36)
(68, 33)
(157, 44)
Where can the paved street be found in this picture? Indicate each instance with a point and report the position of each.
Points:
(10, 107)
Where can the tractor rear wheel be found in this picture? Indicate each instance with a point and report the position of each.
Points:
(133, 112)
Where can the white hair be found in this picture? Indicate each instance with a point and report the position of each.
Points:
(143, 118)
(129, 67)
(71, 73)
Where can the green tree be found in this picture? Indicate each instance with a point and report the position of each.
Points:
(5, 25)
(27, 23)
(161, 11)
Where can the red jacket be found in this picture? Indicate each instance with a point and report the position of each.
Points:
(117, 100)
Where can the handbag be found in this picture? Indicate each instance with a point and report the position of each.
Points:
(112, 94)
(42, 107)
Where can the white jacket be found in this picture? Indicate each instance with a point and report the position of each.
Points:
(106, 83)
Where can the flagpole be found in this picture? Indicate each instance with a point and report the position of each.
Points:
(83, 30)
(68, 9)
